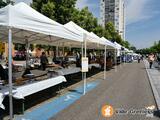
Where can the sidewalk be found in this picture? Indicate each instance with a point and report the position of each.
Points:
(154, 77)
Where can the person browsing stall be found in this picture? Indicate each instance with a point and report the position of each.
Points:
(43, 60)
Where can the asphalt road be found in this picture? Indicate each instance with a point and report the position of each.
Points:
(126, 89)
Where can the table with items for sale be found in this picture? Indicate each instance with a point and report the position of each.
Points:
(29, 88)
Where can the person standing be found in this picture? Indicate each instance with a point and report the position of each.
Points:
(139, 58)
(43, 60)
(151, 59)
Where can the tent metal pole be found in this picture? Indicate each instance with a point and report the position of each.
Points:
(10, 74)
(105, 62)
(120, 59)
(57, 51)
(82, 50)
(115, 58)
(125, 57)
(63, 50)
(27, 53)
(85, 55)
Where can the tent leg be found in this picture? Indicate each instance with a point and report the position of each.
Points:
(105, 63)
(120, 59)
(63, 51)
(23, 107)
(27, 53)
(10, 74)
(81, 60)
(57, 51)
(115, 54)
(124, 58)
(85, 55)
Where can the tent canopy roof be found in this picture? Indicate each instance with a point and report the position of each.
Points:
(90, 37)
(37, 28)
(110, 45)
(118, 46)
(81, 32)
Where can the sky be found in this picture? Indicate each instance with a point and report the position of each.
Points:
(142, 19)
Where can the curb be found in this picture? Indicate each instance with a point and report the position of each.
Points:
(154, 90)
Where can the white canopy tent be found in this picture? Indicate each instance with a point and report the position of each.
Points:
(130, 51)
(88, 37)
(126, 50)
(22, 24)
(99, 40)
(118, 47)
(37, 28)
(109, 43)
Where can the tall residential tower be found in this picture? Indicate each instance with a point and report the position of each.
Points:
(113, 11)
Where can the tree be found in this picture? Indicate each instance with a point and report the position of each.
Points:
(111, 29)
(133, 48)
(48, 9)
(85, 19)
(99, 31)
(3, 4)
(153, 49)
(126, 44)
(37, 4)
(64, 11)
(58, 10)
(111, 33)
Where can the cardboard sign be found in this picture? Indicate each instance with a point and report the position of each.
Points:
(84, 64)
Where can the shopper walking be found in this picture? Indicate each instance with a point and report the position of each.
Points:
(151, 59)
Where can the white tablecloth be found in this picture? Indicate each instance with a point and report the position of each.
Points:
(94, 65)
(69, 70)
(19, 92)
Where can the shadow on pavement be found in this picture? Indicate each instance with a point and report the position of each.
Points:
(76, 91)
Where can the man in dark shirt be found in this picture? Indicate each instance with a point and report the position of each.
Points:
(43, 60)
(3, 73)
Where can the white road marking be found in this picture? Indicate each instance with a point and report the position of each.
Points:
(68, 97)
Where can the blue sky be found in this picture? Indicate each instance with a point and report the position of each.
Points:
(142, 19)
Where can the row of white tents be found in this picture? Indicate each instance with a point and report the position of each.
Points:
(26, 23)
(22, 24)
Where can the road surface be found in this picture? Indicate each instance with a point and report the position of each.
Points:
(127, 89)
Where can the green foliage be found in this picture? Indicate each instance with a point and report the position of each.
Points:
(111, 34)
(3, 4)
(85, 19)
(64, 11)
(37, 4)
(111, 29)
(133, 48)
(47, 9)
(58, 10)
(126, 44)
(153, 49)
